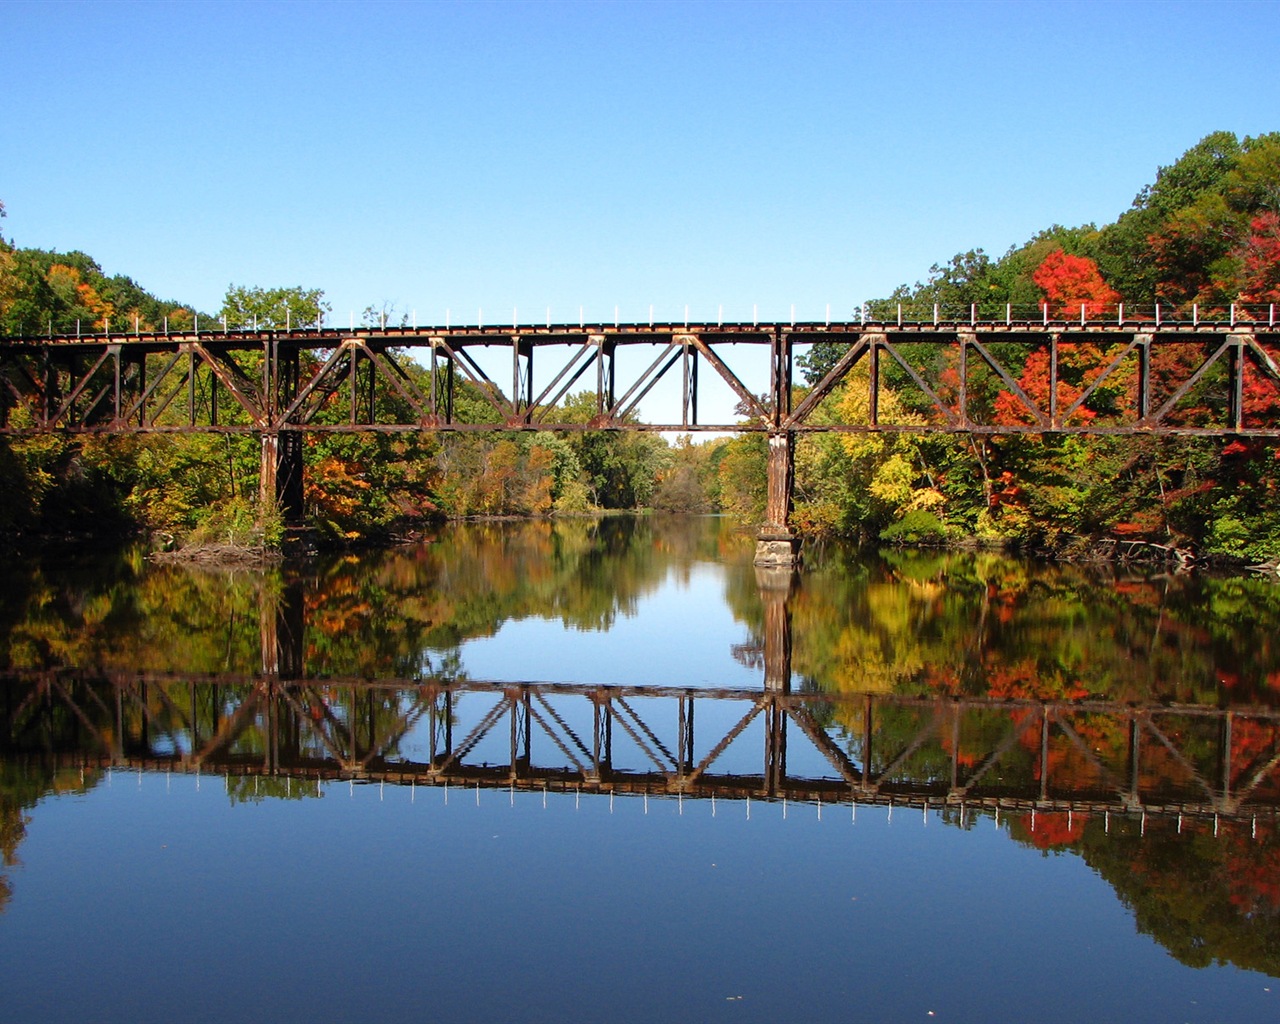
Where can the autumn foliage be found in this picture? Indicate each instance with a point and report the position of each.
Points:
(1071, 283)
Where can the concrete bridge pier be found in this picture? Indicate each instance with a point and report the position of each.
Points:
(777, 544)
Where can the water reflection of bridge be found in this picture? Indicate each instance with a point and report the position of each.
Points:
(944, 752)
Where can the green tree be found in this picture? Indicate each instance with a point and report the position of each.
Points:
(272, 308)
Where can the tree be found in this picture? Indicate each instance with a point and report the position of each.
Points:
(1070, 282)
(1260, 256)
(272, 308)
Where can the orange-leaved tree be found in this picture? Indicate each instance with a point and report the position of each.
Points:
(1069, 282)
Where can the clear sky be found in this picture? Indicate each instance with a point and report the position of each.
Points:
(523, 155)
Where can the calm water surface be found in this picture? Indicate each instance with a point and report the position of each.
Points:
(606, 770)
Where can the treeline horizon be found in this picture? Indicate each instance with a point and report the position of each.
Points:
(1205, 233)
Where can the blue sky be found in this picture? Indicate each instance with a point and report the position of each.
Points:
(450, 156)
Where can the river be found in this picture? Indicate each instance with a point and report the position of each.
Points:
(607, 769)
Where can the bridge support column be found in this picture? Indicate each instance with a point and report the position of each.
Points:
(280, 474)
(776, 585)
(777, 544)
(281, 624)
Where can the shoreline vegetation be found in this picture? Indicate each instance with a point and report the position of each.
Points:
(1206, 231)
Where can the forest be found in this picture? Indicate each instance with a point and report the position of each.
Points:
(1206, 232)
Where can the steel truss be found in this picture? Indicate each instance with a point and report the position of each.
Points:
(941, 752)
(979, 378)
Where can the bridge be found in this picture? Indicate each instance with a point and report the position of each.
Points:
(1135, 371)
(952, 754)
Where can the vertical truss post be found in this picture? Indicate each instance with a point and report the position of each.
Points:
(526, 758)
(142, 388)
(213, 400)
(513, 760)
(689, 404)
(775, 746)
(605, 378)
(271, 751)
(779, 380)
(1054, 339)
(290, 659)
(268, 637)
(681, 726)
(963, 339)
(1044, 753)
(115, 359)
(1225, 754)
(50, 388)
(442, 380)
(432, 725)
(270, 374)
(192, 368)
(1143, 341)
(602, 734)
(280, 469)
(521, 374)
(1135, 756)
(73, 375)
(1236, 362)
(873, 379)
(353, 381)
(956, 711)
(280, 386)
(777, 544)
(868, 712)
(688, 736)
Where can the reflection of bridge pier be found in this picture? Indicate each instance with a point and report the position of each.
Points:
(281, 625)
(776, 583)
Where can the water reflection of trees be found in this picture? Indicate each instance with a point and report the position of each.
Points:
(1208, 892)
(983, 623)
(935, 625)
(388, 613)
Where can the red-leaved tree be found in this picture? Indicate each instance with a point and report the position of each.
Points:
(1260, 277)
(1069, 282)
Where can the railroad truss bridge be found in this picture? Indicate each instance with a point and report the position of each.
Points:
(1123, 375)
(945, 753)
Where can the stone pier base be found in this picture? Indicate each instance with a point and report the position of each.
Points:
(778, 549)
